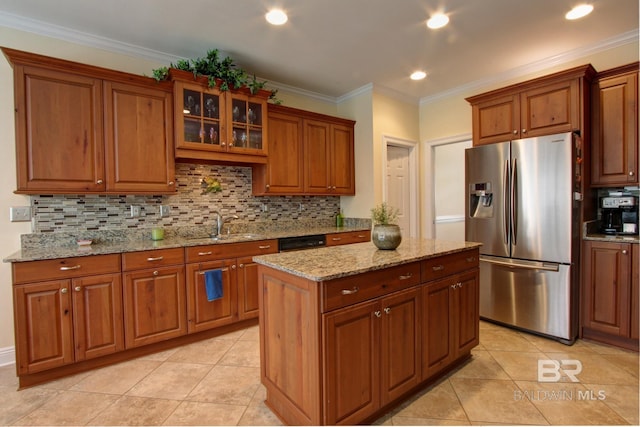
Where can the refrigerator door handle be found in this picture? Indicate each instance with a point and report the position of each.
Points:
(514, 202)
(521, 264)
(505, 204)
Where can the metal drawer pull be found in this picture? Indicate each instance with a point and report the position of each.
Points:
(406, 276)
(155, 273)
(204, 253)
(438, 267)
(64, 290)
(336, 239)
(77, 288)
(377, 313)
(387, 310)
(158, 258)
(75, 267)
(471, 259)
(361, 236)
(264, 247)
(350, 291)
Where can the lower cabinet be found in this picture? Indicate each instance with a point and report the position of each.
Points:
(348, 237)
(64, 315)
(154, 297)
(610, 293)
(372, 355)
(450, 326)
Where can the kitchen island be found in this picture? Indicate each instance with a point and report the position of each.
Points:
(348, 332)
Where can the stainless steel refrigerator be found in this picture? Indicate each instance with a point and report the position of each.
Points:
(521, 205)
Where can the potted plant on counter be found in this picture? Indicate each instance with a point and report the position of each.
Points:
(386, 233)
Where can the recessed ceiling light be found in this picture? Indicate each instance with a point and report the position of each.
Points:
(438, 20)
(276, 17)
(579, 11)
(418, 75)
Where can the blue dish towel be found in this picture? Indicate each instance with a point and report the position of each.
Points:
(213, 284)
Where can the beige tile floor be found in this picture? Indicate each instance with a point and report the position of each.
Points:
(216, 382)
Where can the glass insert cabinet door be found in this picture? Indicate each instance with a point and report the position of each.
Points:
(202, 117)
(246, 123)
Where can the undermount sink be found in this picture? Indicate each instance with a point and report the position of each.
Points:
(235, 236)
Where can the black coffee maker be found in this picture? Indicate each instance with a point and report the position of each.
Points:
(619, 215)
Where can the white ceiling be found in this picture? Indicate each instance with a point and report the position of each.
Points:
(333, 47)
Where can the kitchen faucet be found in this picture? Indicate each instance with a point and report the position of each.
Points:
(217, 228)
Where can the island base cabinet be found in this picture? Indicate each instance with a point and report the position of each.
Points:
(154, 305)
(450, 324)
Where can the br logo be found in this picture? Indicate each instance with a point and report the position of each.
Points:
(550, 370)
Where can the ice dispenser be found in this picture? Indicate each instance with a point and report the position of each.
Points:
(481, 200)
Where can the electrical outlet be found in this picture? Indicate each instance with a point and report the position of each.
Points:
(165, 211)
(20, 213)
(265, 208)
(135, 211)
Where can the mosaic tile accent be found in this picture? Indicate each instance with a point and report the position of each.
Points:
(189, 207)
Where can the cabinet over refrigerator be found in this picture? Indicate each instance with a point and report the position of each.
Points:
(520, 205)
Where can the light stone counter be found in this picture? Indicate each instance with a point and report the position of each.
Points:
(338, 261)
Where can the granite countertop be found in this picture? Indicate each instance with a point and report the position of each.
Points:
(328, 263)
(611, 238)
(138, 243)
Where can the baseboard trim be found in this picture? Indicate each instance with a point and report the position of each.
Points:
(7, 356)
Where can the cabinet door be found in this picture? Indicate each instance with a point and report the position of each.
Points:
(317, 161)
(400, 341)
(352, 363)
(553, 108)
(203, 314)
(139, 139)
(59, 139)
(635, 291)
(248, 127)
(437, 330)
(97, 316)
(496, 120)
(615, 131)
(44, 335)
(284, 169)
(154, 305)
(342, 173)
(466, 313)
(247, 288)
(606, 287)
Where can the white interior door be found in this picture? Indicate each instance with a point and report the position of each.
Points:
(449, 190)
(398, 185)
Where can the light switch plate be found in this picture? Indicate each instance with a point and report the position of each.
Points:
(165, 211)
(20, 213)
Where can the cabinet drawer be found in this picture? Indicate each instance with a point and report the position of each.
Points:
(353, 289)
(446, 265)
(348, 237)
(152, 259)
(230, 250)
(64, 268)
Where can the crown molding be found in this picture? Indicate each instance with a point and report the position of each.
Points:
(611, 43)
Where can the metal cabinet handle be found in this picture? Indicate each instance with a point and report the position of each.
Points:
(631, 173)
(387, 310)
(438, 267)
(524, 131)
(406, 276)
(241, 266)
(377, 313)
(156, 272)
(77, 289)
(75, 267)
(233, 267)
(204, 253)
(350, 291)
(64, 290)
(361, 236)
(268, 186)
(336, 239)
(264, 247)
(171, 182)
(158, 258)
(99, 181)
(223, 144)
(624, 251)
(471, 259)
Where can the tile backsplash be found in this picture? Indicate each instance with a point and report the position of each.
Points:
(73, 213)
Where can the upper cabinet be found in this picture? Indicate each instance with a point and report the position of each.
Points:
(214, 125)
(614, 154)
(309, 154)
(83, 129)
(544, 106)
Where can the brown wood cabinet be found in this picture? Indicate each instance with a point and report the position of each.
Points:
(66, 310)
(349, 348)
(219, 126)
(154, 296)
(544, 106)
(239, 283)
(609, 311)
(309, 153)
(83, 129)
(615, 127)
(348, 237)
